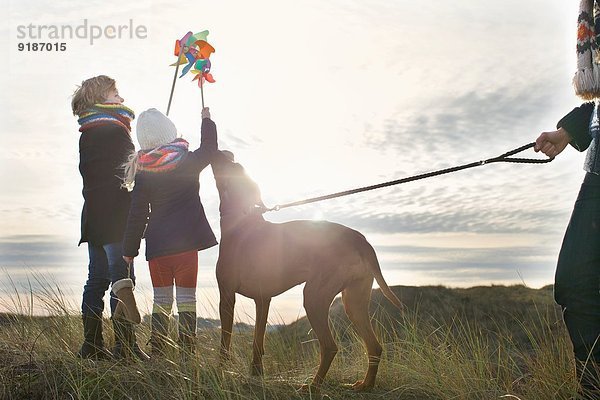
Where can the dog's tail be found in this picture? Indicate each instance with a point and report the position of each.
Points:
(373, 265)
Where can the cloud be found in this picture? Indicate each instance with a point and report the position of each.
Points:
(230, 140)
(464, 124)
(452, 131)
(464, 266)
(479, 221)
(17, 251)
(503, 202)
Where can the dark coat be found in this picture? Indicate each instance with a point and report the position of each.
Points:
(102, 151)
(577, 123)
(166, 207)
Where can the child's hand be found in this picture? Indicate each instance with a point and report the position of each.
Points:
(205, 113)
(128, 260)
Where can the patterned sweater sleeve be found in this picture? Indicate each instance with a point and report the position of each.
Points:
(577, 123)
(137, 219)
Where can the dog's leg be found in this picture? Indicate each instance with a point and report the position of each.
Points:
(262, 312)
(226, 305)
(356, 303)
(316, 303)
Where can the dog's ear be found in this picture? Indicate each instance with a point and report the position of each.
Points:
(228, 155)
(220, 161)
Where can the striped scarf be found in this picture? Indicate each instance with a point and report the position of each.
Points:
(163, 158)
(587, 78)
(106, 114)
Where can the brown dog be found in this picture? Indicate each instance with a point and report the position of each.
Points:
(260, 260)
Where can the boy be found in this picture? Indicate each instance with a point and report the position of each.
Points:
(104, 145)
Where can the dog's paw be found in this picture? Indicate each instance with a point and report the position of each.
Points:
(256, 370)
(361, 386)
(308, 389)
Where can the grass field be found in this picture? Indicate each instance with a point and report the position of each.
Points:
(479, 343)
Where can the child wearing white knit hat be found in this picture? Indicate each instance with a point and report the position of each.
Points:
(154, 129)
(166, 210)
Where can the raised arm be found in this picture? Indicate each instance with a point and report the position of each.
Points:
(208, 141)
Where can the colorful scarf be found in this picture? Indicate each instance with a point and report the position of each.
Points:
(163, 158)
(587, 78)
(106, 114)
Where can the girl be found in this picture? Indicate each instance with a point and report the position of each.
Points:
(167, 211)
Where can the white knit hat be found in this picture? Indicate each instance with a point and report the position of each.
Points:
(154, 129)
(587, 77)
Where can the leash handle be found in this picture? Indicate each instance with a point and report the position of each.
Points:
(506, 157)
(501, 158)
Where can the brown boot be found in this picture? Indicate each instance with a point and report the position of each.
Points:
(126, 306)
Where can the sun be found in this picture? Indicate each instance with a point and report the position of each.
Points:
(284, 178)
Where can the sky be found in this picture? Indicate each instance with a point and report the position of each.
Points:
(314, 97)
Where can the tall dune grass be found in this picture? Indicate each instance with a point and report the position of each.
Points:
(424, 358)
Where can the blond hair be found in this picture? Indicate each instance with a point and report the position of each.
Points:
(130, 169)
(91, 91)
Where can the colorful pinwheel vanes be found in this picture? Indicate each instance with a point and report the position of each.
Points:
(194, 50)
(202, 71)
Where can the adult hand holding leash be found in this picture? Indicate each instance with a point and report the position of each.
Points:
(552, 143)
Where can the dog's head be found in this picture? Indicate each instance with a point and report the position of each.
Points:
(224, 167)
(238, 193)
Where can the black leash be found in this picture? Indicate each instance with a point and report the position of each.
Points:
(501, 158)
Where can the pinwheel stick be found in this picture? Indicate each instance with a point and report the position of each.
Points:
(174, 80)
(202, 91)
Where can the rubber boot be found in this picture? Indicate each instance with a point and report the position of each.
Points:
(125, 342)
(159, 336)
(187, 334)
(93, 342)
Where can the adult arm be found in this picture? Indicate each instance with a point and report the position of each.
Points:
(577, 124)
(572, 129)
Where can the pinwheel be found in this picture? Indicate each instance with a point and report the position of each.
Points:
(194, 50)
(202, 72)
